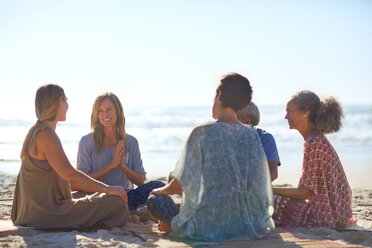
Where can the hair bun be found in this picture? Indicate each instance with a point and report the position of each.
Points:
(329, 116)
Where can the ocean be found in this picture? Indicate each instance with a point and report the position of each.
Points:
(163, 131)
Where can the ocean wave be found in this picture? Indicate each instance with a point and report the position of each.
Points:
(10, 142)
(9, 160)
(166, 129)
(14, 122)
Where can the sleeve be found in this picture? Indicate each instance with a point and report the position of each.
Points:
(135, 161)
(84, 156)
(188, 174)
(269, 145)
(313, 174)
(190, 164)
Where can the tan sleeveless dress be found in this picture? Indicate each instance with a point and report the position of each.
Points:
(43, 199)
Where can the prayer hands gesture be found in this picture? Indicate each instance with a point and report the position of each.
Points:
(118, 154)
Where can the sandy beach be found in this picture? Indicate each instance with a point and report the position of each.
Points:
(124, 237)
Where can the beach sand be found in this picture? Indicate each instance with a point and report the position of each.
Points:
(125, 237)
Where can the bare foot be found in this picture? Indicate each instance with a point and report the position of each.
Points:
(145, 215)
(164, 227)
(134, 218)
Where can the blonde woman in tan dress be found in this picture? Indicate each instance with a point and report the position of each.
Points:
(43, 195)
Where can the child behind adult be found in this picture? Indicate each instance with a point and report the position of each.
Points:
(42, 195)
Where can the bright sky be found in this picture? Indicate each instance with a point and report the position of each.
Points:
(174, 52)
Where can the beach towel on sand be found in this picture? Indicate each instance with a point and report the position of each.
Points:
(43, 199)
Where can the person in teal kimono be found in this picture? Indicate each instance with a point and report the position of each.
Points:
(222, 174)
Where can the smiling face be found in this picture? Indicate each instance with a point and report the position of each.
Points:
(107, 113)
(296, 117)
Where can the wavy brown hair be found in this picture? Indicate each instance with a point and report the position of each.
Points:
(96, 125)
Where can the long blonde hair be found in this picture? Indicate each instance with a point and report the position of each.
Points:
(46, 107)
(96, 125)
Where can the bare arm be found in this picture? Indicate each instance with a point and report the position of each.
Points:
(135, 177)
(117, 157)
(172, 188)
(300, 193)
(49, 144)
(273, 167)
(98, 174)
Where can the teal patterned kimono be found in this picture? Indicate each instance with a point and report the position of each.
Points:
(226, 185)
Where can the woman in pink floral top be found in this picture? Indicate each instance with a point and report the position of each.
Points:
(323, 195)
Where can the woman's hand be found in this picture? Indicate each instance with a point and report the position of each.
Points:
(118, 191)
(160, 191)
(300, 193)
(173, 187)
(118, 154)
(117, 158)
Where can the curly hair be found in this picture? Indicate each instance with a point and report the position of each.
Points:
(236, 91)
(325, 114)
